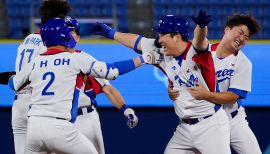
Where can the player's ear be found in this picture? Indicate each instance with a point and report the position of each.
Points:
(78, 38)
(177, 37)
(227, 29)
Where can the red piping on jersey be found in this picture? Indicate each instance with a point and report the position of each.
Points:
(186, 50)
(214, 47)
(92, 83)
(53, 51)
(206, 63)
(80, 80)
(37, 31)
(76, 50)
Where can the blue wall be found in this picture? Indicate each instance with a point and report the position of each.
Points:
(146, 86)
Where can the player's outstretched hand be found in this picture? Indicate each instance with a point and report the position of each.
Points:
(132, 119)
(102, 29)
(151, 57)
(202, 19)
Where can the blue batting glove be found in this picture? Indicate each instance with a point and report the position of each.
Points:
(102, 29)
(202, 19)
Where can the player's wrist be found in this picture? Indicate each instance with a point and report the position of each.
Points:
(208, 96)
(111, 34)
(141, 59)
(123, 108)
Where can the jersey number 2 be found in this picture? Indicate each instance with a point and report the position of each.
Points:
(52, 77)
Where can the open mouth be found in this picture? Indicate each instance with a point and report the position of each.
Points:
(163, 46)
(238, 43)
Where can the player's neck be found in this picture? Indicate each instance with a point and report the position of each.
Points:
(59, 47)
(71, 50)
(222, 51)
(180, 49)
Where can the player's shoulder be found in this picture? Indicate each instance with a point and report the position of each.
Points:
(242, 58)
(83, 54)
(33, 35)
(33, 39)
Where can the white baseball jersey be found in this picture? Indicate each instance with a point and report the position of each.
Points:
(234, 74)
(47, 74)
(91, 87)
(89, 123)
(184, 73)
(30, 48)
(188, 138)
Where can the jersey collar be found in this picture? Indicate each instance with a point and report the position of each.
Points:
(53, 51)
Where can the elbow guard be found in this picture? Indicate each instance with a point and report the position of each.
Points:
(103, 70)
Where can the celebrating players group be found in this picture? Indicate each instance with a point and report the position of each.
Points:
(54, 110)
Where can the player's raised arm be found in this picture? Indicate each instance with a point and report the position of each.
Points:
(128, 39)
(109, 71)
(200, 41)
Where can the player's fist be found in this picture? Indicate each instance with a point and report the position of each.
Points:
(102, 29)
(202, 19)
(132, 119)
(151, 57)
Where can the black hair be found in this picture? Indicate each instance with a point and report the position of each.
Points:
(50, 9)
(248, 20)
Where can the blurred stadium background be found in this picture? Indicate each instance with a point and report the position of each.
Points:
(145, 88)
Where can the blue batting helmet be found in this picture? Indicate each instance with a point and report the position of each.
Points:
(173, 24)
(56, 32)
(72, 22)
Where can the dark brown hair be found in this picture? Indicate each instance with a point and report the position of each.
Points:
(248, 20)
(50, 9)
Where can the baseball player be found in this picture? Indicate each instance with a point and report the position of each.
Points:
(30, 48)
(204, 126)
(233, 73)
(53, 107)
(88, 121)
